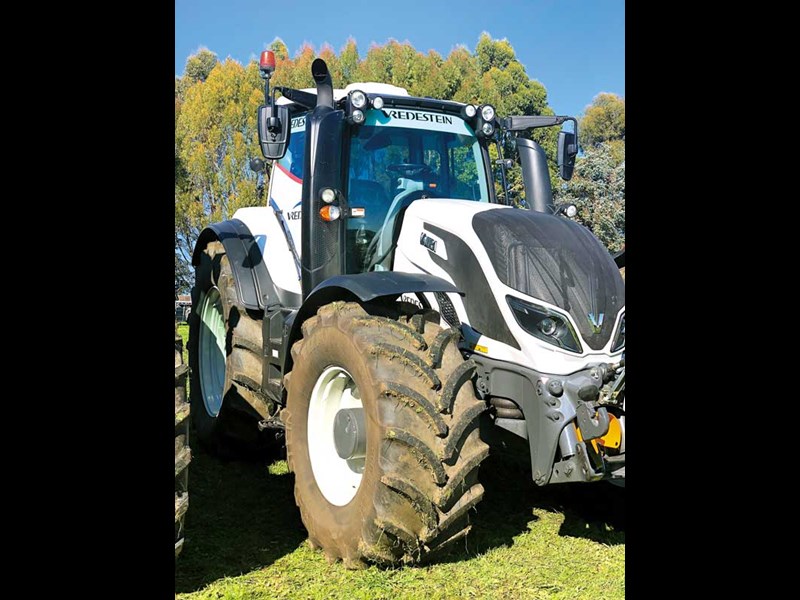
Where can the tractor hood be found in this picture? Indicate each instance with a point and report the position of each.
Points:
(478, 245)
(556, 260)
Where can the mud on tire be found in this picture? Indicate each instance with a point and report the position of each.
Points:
(183, 454)
(420, 479)
(233, 432)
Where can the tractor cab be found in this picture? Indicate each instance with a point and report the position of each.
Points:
(394, 156)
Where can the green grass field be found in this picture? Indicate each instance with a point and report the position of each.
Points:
(244, 539)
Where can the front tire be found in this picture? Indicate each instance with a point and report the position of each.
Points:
(423, 449)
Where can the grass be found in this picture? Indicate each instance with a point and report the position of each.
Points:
(245, 539)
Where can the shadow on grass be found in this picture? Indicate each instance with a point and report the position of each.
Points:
(241, 517)
(594, 511)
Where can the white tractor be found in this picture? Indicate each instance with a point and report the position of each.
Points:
(386, 299)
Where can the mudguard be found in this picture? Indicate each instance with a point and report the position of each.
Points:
(364, 287)
(254, 287)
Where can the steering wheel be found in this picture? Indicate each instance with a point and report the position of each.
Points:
(381, 244)
(410, 169)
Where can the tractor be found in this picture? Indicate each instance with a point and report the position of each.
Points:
(387, 300)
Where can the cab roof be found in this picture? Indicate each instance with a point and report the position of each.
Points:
(369, 87)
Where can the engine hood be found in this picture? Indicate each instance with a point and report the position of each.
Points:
(556, 260)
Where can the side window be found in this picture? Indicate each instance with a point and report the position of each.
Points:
(464, 157)
(292, 162)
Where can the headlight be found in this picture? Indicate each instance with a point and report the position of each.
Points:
(487, 112)
(619, 340)
(327, 195)
(357, 116)
(488, 129)
(545, 324)
(358, 99)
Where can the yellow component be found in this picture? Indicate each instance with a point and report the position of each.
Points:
(613, 438)
(483, 349)
(580, 439)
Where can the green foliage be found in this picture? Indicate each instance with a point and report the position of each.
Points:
(604, 120)
(597, 188)
(199, 66)
(349, 61)
(279, 48)
(493, 54)
(215, 134)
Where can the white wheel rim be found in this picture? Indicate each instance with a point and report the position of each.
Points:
(211, 351)
(337, 478)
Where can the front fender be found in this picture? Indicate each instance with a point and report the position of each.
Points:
(364, 287)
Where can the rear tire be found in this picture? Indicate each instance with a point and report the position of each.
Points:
(183, 454)
(225, 346)
(423, 448)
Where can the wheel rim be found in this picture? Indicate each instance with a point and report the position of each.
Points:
(337, 478)
(211, 351)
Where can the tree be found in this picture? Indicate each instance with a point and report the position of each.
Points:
(348, 58)
(604, 120)
(491, 53)
(199, 65)
(279, 48)
(197, 68)
(216, 137)
(597, 188)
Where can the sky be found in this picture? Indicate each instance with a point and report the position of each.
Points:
(576, 48)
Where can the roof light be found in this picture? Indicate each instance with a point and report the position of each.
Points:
(487, 112)
(357, 116)
(267, 62)
(358, 99)
(470, 110)
(377, 102)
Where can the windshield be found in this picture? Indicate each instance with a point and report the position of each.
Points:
(399, 156)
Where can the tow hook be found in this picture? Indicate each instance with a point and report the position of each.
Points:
(592, 425)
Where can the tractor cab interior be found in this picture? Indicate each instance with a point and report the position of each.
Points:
(390, 167)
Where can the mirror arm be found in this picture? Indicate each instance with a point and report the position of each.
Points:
(266, 75)
(503, 171)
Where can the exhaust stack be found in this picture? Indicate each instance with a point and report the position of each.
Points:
(321, 75)
(533, 161)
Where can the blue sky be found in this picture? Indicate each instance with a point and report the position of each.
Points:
(576, 48)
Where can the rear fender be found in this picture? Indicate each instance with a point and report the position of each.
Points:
(254, 287)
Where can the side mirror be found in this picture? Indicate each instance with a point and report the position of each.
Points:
(273, 130)
(567, 151)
